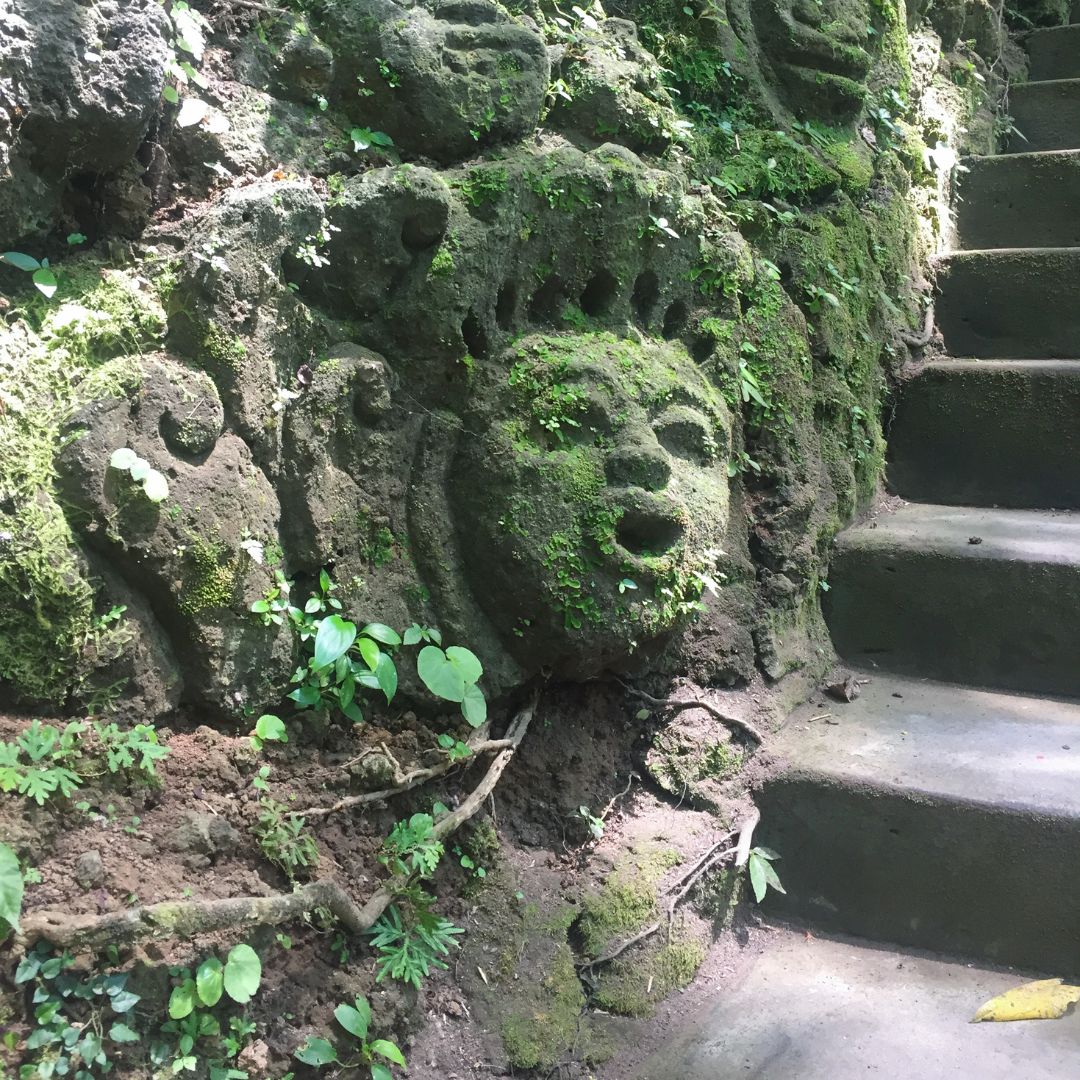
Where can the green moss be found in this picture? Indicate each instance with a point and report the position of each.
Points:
(225, 351)
(67, 351)
(622, 907)
(210, 578)
(633, 986)
(540, 1038)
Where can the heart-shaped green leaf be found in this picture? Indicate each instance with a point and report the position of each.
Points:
(334, 639)
(474, 706)
(11, 887)
(270, 728)
(182, 1000)
(243, 973)
(210, 981)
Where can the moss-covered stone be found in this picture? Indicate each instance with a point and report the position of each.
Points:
(633, 986)
(61, 355)
(539, 1038)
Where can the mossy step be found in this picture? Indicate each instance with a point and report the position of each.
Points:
(989, 433)
(1047, 114)
(1020, 304)
(1020, 201)
(985, 597)
(1055, 53)
(933, 816)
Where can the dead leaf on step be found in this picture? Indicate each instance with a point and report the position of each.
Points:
(1046, 999)
(845, 689)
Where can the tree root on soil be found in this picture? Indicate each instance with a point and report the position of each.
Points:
(186, 918)
(672, 705)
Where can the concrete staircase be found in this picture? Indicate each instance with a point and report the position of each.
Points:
(945, 814)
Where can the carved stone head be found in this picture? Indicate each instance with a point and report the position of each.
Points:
(589, 489)
(821, 53)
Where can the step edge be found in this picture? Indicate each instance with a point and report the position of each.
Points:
(877, 789)
(1020, 155)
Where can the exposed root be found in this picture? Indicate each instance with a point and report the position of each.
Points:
(682, 706)
(186, 918)
(920, 340)
(406, 781)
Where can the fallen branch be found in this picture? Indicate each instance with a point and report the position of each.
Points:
(186, 918)
(675, 706)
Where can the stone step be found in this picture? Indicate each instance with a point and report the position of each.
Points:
(1020, 201)
(912, 593)
(989, 433)
(797, 1007)
(1047, 114)
(1055, 53)
(933, 816)
(1019, 303)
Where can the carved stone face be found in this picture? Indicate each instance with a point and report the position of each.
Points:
(820, 52)
(590, 489)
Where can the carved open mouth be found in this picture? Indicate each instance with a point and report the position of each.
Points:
(648, 531)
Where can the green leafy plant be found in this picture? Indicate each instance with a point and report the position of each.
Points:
(455, 749)
(596, 825)
(467, 862)
(191, 1018)
(356, 1020)
(239, 977)
(452, 674)
(186, 47)
(154, 484)
(364, 138)
(268, 728)
(80, 1023)
(763, 874)
(136, 748)
(11, 890)
(409, 947)
(412, 847)
(40, 273)
(284, 838)
(38, 763)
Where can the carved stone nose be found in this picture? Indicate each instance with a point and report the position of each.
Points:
(638, 466)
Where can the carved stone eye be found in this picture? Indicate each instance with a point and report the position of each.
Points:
(686, 433)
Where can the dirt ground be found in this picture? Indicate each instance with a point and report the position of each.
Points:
(190, 836)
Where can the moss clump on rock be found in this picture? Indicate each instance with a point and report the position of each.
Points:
(61, 355)
(633, 986)
(210, 580)
(539, 1038)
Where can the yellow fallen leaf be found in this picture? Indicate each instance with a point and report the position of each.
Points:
(1046, 999)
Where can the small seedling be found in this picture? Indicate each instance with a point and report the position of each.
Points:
(596, 825)
(455, 749)
(42, 276)
(154, 484)
(356, 1020)
(762, 873)
(268, 728)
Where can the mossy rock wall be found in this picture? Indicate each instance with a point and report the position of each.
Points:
(575, 344)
